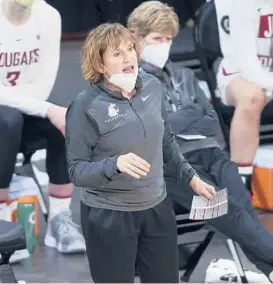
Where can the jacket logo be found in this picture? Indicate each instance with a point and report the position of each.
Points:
(112, 110)
(113, 113)
(144, 99)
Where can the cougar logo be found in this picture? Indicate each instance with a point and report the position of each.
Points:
(113, 113)
(113, 110)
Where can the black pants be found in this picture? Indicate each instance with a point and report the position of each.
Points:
(117, 242)
(17, 128)
(241, 223)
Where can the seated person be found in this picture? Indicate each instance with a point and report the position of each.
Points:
(245, 78)
(156, 24)
(29, 60)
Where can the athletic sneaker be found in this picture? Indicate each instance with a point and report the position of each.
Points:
(225, 271)
(64, 235)
(18, 256)
(5, 214)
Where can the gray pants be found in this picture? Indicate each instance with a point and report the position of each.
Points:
(117, 242)
(241, 223)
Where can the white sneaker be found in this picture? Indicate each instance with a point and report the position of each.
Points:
(224, 270)
(64, 235)
(5, 214)
(18, 256)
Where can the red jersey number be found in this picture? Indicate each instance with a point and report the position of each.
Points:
(12, 77)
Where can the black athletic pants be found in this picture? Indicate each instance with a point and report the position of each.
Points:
(241, 223)
(16, 128)
(117, 242)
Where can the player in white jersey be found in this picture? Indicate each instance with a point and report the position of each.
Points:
(245, 77)
(29, 59)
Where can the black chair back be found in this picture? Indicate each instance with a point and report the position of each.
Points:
(207, 44)
(206, 32)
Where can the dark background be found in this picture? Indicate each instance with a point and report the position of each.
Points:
(79, 16)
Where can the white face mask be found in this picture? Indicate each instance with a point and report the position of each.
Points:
(126, 82)
(156, 54)
(25, 3)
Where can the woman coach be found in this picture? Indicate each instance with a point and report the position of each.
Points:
(117, 141)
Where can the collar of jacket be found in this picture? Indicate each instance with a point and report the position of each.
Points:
(116, 94)
(156, 71)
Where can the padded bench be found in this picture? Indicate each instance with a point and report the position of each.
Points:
(12, 238)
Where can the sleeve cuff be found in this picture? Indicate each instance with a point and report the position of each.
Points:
(186, 175)
(110, 168)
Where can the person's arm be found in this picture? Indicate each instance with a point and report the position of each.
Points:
(243, 36)
(198, 114)
(172, 157)
(31, 98)
(183, 118)
(177, 166)
(16, 99)
(81, 137)
(208, 125)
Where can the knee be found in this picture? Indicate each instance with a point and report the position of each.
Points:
(251, 103)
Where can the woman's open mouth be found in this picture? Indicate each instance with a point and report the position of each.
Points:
(129, 69)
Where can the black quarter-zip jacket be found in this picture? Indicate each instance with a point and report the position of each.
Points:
(102, 125)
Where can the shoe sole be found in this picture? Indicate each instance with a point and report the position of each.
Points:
(76, 247)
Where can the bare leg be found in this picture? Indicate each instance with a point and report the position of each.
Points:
(249, 101)
(4, 192)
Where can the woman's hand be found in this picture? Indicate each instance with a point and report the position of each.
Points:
(202, 188)
(133, 165)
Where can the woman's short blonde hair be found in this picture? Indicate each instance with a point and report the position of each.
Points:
(153, 16)
(98, 40)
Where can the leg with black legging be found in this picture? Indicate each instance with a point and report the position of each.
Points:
(225, 173)
(116, 241)
(11, 123)
(111, 243)
(157, 256)
(239, 224)
(62, 233)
